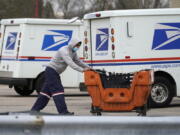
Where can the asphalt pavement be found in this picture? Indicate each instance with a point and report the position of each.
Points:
(78, 102)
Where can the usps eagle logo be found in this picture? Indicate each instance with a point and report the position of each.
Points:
(11, 41)
(166, 36)
(56, 39)
(102, 39)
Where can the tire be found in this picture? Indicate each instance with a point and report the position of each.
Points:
(82, 87)
(161, 93)
(23, 90)
(39, 83)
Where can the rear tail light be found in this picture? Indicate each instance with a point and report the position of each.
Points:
(85, 45)
(112, 39)
(20, 35)
(85, 40)
(86, 48)
(113, 46)
(112, 31)
(98, 15)
(17, 52)
(19, 42)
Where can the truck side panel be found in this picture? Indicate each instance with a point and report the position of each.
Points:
(140, 42)
(43, 41)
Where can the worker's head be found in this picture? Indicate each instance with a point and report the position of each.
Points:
(74, 44)
(76, 47)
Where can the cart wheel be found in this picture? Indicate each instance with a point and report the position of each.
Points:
(95, 111)
(99, 113)
(92, 109)
(143, 110)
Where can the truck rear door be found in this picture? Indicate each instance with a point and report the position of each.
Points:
(100, 41)
(9, 45)
(9, 48)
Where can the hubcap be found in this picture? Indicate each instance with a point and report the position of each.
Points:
(159, 93)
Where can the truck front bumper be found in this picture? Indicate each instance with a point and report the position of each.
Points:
(13, 81)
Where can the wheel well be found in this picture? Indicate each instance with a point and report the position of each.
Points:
(170, 78)
(39, 75)
(37, 78)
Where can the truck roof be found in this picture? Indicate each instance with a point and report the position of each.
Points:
(15, 21)
(137, 12)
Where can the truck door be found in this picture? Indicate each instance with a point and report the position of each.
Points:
(100, 42)
(9, 43)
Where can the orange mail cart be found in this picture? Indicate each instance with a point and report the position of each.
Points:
(115, 92)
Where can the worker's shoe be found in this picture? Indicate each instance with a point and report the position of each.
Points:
(67, 113)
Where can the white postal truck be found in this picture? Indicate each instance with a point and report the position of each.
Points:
(27, 45)
(131, 40)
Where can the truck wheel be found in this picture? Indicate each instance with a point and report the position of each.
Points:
(82, 87)
(161, 92)
(23, 90)
(39, 83)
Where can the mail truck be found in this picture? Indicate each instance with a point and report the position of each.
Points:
(132, 40)
(27, 45)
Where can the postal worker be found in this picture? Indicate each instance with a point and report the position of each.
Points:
(52, 87)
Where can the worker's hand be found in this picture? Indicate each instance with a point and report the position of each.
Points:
(87, 69)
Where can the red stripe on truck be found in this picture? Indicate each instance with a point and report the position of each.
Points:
(133, 60)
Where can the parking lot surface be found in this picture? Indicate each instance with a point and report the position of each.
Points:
(78, 102)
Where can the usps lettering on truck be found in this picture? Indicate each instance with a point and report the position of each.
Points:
(166, 36)
(102, 41)
(11, 40)
(165, 66)
(58, 38)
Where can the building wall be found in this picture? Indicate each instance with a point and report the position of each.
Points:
(174, 3)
